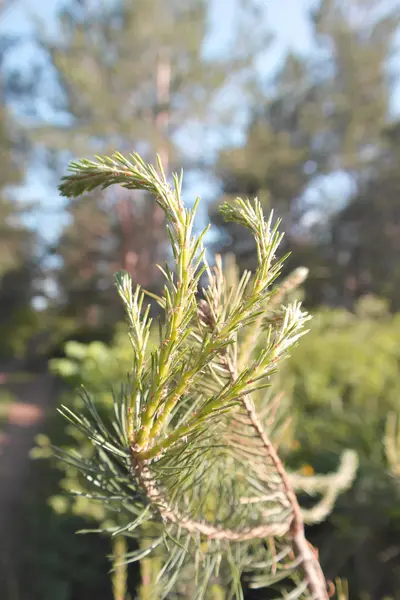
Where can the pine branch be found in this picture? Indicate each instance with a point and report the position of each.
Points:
(307, 558)
(187, 458)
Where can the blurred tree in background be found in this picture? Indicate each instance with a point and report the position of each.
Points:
(131, 75)
(365, 236)
(18, 245)
(328, 114)
(343, 384)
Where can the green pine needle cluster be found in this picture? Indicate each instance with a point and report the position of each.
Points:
(189, 460)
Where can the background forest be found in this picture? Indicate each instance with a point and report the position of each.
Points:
(295, 102)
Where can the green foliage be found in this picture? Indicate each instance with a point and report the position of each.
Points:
(344, 388)
(350, 397)
(95, 364)
(92, 366)
(18, 247)
(57, 566)
(6, 401)
(354, 377)
(21, 325)
(183, 456)
(54, 563)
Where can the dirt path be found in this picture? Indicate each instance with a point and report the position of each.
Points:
(25, 420)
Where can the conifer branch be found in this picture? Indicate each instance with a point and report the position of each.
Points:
(307, 559)
(188, 457)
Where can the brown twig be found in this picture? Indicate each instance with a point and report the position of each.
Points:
(209, 530)
(302, 549)
(309, 563)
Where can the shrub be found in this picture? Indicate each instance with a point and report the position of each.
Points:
(344, 386)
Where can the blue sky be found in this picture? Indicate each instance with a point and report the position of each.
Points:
(288, 32)
(287, 20)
